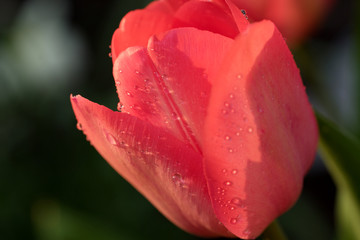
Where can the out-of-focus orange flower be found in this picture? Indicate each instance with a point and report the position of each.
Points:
(296, 19)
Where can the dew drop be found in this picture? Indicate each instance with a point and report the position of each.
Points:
(79, 126)
(250, 130)
(247, 232)
(234, 171)
(228, 183)
(178, 180)
(227, 138)
(119, 106)
(231, 95)
(224, 170)
(110, 55)
(233, 221)
(226, 104)
(239, 76)
(137, 72)
(237, 133)
(137, 107)
(237, 201)
(230, 150)
(244, 13)
(120, 71)
(111, 139)
(231, 208)
(224, 112)
(128, 93)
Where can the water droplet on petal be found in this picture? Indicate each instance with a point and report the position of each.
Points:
(230, 150)
(239, 76)
(233, 220)
(231, 95)
(224, 170)
(250, 130)
(111, 139)
(119, 106)
(110, 55)
(128, 93)
(234, 171)
(226, 104)
(237, 134)
(247, 232)
(227, 138)
(244, 13)
(237, 201)
(228, 183)
(178, 180)
(137, 72)
(79, 126)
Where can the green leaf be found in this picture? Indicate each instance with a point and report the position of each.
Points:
(341, 153)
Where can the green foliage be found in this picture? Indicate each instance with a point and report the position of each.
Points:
(341, 153)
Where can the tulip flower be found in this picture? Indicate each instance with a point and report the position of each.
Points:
(214, 126)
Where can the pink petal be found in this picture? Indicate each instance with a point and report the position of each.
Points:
(165, 170)
(168, 84)
(206, 16)
(260, 133)
(136, 28)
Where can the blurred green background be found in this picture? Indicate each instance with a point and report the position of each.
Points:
(54, 185)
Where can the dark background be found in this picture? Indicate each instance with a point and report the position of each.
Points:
(54, 185)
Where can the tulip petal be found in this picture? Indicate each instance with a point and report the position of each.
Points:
(168, 84)
(206, 16)
(239, 17)
(176, 3)
(162, 6)
(188, 68)
(260, 133)
(136, 28)
(165, 170)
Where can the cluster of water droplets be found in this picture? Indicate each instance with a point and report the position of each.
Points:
(179, 181)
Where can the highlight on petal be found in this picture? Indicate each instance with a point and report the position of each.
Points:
(162, 168)
(168, 84)
(260, 133)
(136, 28)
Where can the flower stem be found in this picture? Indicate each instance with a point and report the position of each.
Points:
(273, 232)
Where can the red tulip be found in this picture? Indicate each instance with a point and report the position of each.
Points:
(216, 130)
